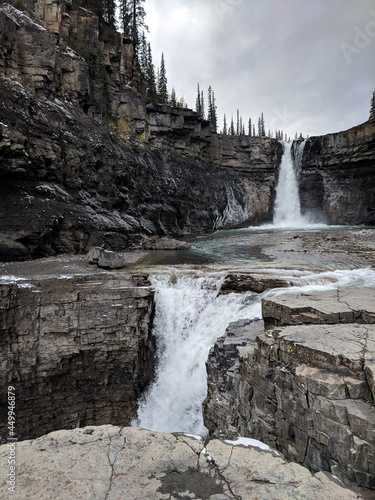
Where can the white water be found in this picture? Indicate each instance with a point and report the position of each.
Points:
(189, 318)
(287, 210)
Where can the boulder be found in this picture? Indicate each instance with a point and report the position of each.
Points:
(105, 258)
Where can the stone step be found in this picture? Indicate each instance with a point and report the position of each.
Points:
(347, 305)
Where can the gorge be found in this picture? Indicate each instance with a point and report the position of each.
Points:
(94, 353)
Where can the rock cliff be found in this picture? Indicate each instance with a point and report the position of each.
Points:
(136, 464)
(74, 176)
(337, 173)
(304, 383)
(78, 350)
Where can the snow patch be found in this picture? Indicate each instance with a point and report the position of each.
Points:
(249, 442)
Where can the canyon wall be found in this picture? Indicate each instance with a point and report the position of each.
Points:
(69, 182)
(337, 176)
(77, 350)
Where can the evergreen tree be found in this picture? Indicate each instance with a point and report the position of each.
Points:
(372, 107)
(162, 83)
(225, 131)
(198, 104)
(213, 111)
(151, 93)
(173, 99)
(202, 106)
(232, 132)
(238, 123)
(132, 18)
(263, 126)
(253, 130)
(209, 105)
(212, 115)
(250, 127)
(259, 127)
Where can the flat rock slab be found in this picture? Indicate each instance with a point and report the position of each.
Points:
(115, 463)
(347, 305)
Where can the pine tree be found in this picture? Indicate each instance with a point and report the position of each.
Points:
(151, 93)
(259, 127)
(372, 107)
(262, 125)
(253, 130)
(132, 18)
(209, 105)
(232, 132)
(213, 111)
(250, 127)
(238, 123)
(225, 131)
(198, 103)
(202, 106)
(173, 98)
(162, 83)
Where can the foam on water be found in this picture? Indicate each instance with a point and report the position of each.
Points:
(190, 315)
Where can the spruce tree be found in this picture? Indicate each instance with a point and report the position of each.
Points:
(372, 107)
(253, 130)
(162, 82)
(209, 105)
(173, 98)
(202, 106)
(250, 127)
(238, 123)
(198, 104)
(132, 18)
(225, 131)
(232, 132)
(151, 93)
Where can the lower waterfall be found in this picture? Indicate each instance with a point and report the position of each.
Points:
(190, 315)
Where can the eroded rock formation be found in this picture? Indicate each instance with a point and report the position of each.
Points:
(78, 350)
(303, 384)
(136, 464)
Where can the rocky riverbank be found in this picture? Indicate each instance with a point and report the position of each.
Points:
(307, 390)
(136, 464)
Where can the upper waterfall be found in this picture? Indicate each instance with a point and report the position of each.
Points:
(287, 211)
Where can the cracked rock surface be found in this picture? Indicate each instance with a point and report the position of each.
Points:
(113, 463)
(305, 384)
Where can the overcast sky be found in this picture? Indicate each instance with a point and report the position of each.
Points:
(309, 65)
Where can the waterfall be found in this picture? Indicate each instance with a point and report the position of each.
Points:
(189, 317)
(287, 211)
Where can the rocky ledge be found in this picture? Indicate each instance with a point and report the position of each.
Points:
(77, 349)
(136, 464)
(303, 384)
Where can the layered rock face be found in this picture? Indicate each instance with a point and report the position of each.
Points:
(136, 464)
(78, 350)
(69, 183)
(337, 173)
(303, 384)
